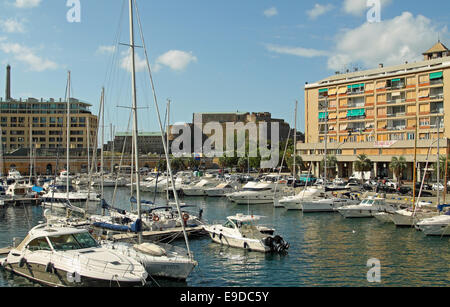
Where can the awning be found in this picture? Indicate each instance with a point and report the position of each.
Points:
(357, 112)
(343, 127)
(395, 80)
(424, 93)
(323, 115)
(342, 90)
(381, 85)
(332, 116)
(332, 91)
(324, 90)
(370, 87)
(436, 75)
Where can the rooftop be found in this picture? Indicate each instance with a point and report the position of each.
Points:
(140, 134)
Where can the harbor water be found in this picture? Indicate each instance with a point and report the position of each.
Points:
(325, 249)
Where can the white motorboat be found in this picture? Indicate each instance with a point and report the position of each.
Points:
(19, 190)
(56, 197)
(367, 208)
(409, 217)
(199, 189)
(14, 174)
(159, 259)
(110, 182)
(295, 202)
(327, 204)
(71, 257)
(435, 226)
(221, 190)
(240, 231)
(258, 193)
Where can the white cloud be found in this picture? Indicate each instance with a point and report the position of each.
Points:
(175, 59)
(11, 25)
(388, 42)
(319, 10)
(271, 12)
(140, 64)
(359, 7)
(27, 3)
(297, 51)
(106, 49)
(26, 55)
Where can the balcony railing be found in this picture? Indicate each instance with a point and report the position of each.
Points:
(396, 114)
(396, 127)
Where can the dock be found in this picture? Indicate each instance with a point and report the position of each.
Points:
(162, 235)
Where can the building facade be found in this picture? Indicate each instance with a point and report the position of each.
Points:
(382, 113)
(148, 142)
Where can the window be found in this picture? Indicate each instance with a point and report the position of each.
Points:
(38, 245)
(411, 136)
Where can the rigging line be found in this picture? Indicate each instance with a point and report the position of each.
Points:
(161, 128)
(159, 163)
(120, 164)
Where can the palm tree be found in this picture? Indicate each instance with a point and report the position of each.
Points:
(331, 164)
(397, 166)
(242, 163)
(363, 164)
(442, 160)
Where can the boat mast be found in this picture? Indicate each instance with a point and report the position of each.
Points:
(166, 146)
(1, 153)
(135, 119)
(438, 162)
(295, 141)
(326, 140)
(414, 168)
(88, 145)
(103, 140)
(68, 135)
(167, 135)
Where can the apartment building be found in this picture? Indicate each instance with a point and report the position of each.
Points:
(383, 113)
(42, 124)
(148, 142)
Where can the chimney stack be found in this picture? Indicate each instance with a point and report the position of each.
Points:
(8, 83)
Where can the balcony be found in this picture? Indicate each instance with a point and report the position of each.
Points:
(396, 114)
(395, 128)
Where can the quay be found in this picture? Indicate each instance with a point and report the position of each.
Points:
(22, 202)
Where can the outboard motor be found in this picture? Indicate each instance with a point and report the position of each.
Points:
(277, 244)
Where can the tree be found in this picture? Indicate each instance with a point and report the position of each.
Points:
(331, 164)
(442, 160)
(363, 164)
(398, 166)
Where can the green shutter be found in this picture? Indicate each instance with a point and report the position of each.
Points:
(395, 80)
(436, 75)
(324, 90)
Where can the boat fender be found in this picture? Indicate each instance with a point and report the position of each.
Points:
(246, 245)
(214, 235)
(155, 218)
(49, 267)
(220, 237)
(4, 262)
(185, 217)
(22, 262)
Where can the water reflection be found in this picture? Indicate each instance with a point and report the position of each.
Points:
(326, 249)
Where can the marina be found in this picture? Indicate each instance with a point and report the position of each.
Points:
(325, 249)
(355, 195)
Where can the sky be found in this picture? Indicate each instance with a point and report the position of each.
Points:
(206, 56)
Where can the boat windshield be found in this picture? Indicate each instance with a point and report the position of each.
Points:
(367, 202)
(73, 241)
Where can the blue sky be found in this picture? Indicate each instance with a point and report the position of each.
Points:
(207, 56)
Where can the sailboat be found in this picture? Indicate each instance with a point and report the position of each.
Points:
(159, 260)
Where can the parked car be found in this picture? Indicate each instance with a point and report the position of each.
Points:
(338, 181)
(382, 188)
(353, 186)
(391, 183)
(437, 187)
(367, 187)
(404, 190)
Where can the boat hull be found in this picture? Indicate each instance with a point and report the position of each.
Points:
(59, 278)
